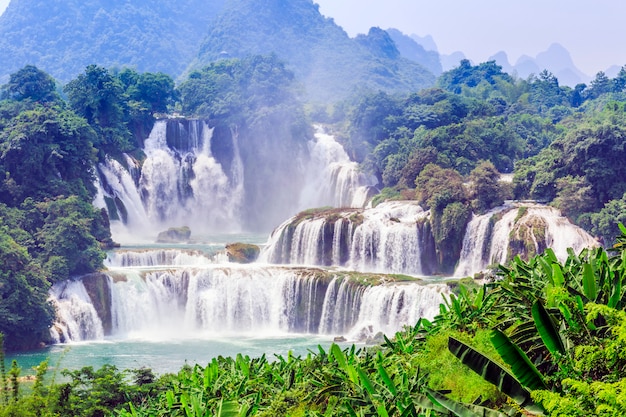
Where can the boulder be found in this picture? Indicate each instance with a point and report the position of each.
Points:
(242, 253)
(174, 235)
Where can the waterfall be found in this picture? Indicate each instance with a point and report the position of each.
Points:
(216, 299)
(180, 182)
(333, 179)
(383, 239)
(156, 257)
(475, 255)
(392, 238)
(488, 236)
(388, 240)
(77, 318)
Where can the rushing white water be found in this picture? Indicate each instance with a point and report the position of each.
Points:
(475, 253)
(382, 239)
(216, 300)
(181, 182)
(156, 257)
(175, 186)
(488, 242)
(388, 240)
(391, 238)
(333, 179)
(77, 318)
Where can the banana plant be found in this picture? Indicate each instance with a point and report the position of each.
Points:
(517, 389)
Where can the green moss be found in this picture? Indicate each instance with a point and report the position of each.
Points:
(521, 212)
(357, 218)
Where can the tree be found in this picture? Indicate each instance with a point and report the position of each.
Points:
(601, 84)
(25, 313)
(442, 191)
(155, 91)
(33, 84)
(485, 190)
(66, 242)
(437, 187)
(98, 96)
(45, 152)
(574, 197)
(545, 92)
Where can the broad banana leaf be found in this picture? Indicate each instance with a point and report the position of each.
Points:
(547, 329)
(492, 372)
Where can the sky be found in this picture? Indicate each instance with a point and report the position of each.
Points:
(592, 30)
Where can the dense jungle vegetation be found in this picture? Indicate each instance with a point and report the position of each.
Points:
(556, 327)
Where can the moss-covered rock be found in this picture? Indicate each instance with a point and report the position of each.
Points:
(97, 286)
(174, 235)
(528, 237)
(242, 253)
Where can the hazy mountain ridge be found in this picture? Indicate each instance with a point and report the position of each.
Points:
(555, 59)
(321, 54)
(410, 48)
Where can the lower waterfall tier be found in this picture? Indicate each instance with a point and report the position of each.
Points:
(198, 301)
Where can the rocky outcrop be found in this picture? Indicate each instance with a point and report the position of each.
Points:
(242, 253)
(99, 291)
(174, 235)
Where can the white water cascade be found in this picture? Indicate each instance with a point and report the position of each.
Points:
(182, 184)
(332, 178)
(223, 299)
(394, 237)
(159, 257)
(487, 239)
(387, 238)
(77, 318)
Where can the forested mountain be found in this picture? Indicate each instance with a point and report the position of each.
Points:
(328, 62)
(63, 37)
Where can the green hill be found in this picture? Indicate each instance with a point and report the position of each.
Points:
(62, 37)
(329, 63)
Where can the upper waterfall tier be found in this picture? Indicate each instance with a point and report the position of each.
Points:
(395, 237)
(390, 238)
(216, 179)
(219, 299)
(332, 179)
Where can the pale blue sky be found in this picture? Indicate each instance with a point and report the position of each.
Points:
(592, 30)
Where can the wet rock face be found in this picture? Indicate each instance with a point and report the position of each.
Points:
(242, 253)
(174, 235)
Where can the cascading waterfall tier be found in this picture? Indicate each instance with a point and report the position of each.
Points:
(332, 178)
(180, 182)
(159, 257)
(217, 179)
(395, 237)
(389, 238)
(523, 229)
(218, 299)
